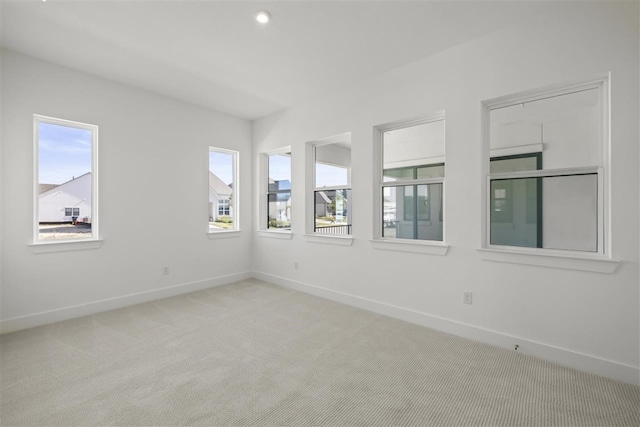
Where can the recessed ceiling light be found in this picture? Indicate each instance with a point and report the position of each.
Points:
(263, 16)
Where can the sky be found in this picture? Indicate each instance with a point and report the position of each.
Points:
(221, 164)
(63, 153)
(280, 167)
(331, 176)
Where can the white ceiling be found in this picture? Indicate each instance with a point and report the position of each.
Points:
(214, 54)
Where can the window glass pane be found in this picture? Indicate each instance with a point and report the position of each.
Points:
(332, 212)
(333, 165)
(551, 212)
(331, 176)
(390, 175)
(403, 204)
(65, 182)
(516, 163)
(570, 212)
(279, 210)
(569, 127)
(413, 145)
(280, 170)
(514, 212)
(430, 171)
(222, 212)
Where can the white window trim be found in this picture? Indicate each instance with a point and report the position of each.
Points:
(224, 234)
(310, 188)
(263, 202)
(92, 242)
(235, 192)
(275, 234)
(601, 261)
(415, 246)
(45, 246)
(329, 239)
(432, 247)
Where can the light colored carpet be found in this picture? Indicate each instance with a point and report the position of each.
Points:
(252, 353)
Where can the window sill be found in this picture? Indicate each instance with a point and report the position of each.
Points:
(69, 245)
(284, 235)
(551, 258)
(405, 245)
(329, 240)
(226, 234)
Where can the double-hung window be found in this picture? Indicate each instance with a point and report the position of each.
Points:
(223, 190)
(65, 202)
(412, 180)
(546, 169)
(279, 191)
(332, 186)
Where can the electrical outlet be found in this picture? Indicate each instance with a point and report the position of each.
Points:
(296, 265)
(468, 298)
(165, 271)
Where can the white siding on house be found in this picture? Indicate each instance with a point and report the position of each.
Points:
(71, 194)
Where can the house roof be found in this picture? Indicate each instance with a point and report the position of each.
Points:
(324, 196)
(44, 188)
(218, 186)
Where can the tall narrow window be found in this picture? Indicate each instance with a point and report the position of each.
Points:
(223, 192)
(279, 191)
(66, 180)
(332, 188)
(546, 169)
(412, 182)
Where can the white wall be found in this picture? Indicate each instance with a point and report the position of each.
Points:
(583, 319)
(153, 193)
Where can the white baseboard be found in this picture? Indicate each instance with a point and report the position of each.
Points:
(38, 319)
(607, 368)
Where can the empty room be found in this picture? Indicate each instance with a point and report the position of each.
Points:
(313, 213)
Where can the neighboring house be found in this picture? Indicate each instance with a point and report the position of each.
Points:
(323, 203)
(326, 204)
(280, 200)
(220, 203)
(46, 187)
(66, 202)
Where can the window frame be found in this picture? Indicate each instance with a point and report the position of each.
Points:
(598, 261)
(92, 241)
(434, 247)
(311, 189)
(235, 193)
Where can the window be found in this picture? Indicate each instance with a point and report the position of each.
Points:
(279, 191)
(332, 186)
(412, 181)
(66, 180)
(223, 192)
(71, 212)
(546, 170)
(224, 207)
